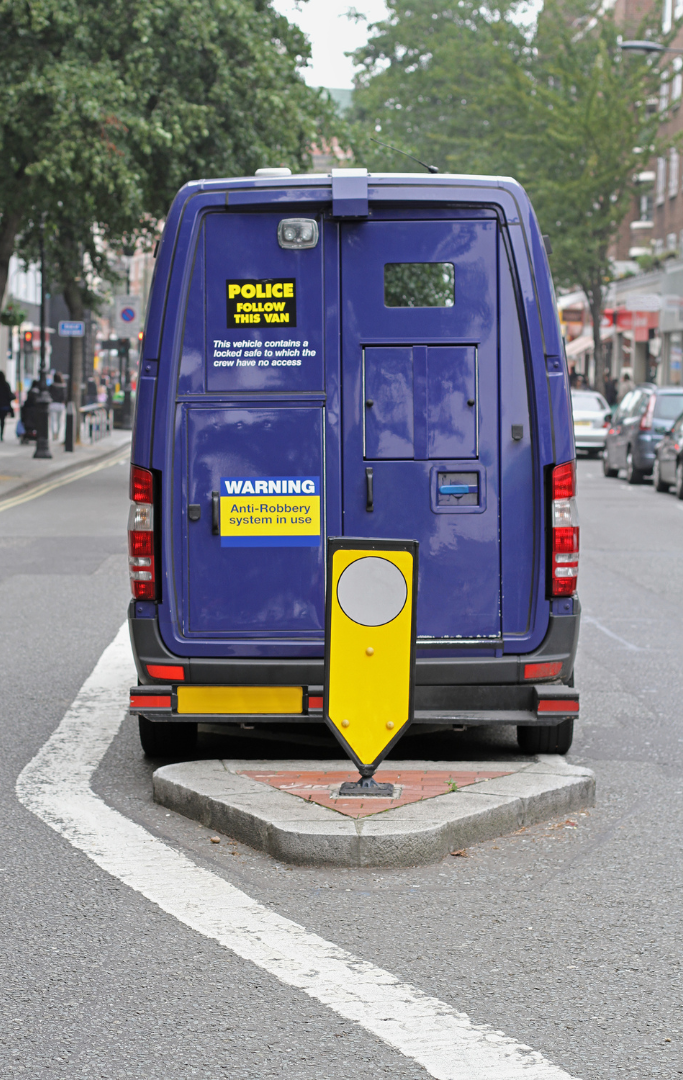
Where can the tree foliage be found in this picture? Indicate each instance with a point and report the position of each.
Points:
(106, 109)
(556, 105)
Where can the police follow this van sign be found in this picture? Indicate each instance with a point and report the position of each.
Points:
(270, 511)
(268, 302)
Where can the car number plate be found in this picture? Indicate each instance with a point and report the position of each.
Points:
(582, 423)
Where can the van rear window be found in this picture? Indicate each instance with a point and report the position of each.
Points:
(419, 285)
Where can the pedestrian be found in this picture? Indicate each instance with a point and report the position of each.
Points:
(611, 390)
(57, 405)
(627, 384)
(6, 398)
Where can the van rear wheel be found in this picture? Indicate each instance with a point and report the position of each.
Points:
(167, 740)
(546, 740)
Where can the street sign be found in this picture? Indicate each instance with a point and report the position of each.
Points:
(370, 644)
(127, 315)
(71, 329)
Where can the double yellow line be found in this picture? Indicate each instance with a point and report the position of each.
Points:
(64, 478)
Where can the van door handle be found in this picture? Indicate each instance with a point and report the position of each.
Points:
(215, 513)
(369, 495)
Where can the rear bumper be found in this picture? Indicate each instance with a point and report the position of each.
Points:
(451, 691)
(590, 441)
(541, 704)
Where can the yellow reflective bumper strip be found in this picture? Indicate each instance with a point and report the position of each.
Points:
(212, 700)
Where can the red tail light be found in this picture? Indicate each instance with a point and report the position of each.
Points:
(646, 418)
(565, 531)
(141, 534)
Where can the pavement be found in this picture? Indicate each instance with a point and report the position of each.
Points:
(20, 472)
(293, 810)
(564, 934)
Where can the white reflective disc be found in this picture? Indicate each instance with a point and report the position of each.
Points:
(372, 591)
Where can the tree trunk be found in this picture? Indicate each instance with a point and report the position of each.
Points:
(595, 297)
(9, 227)
(74, 302)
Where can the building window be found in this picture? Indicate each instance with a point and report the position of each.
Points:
(658, 247)
(673, 173)
(661, 180)
(678, 9)
(666, 16)
(663, 92)
(677, 81)
(671, 241)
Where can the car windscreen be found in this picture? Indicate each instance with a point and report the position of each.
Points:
(668, 406)
(588, 403)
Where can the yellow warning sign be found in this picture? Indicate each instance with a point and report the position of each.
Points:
(370, 644)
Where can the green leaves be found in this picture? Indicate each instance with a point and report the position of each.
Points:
(106, 109)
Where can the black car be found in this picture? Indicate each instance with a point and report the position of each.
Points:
(668, 466)
(643, 418)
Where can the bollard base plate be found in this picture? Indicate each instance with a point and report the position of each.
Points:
(365, 786)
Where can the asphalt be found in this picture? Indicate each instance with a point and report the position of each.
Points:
(21, 472)
(565, 935)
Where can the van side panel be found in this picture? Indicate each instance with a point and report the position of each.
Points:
(191, 371)
(520, 507)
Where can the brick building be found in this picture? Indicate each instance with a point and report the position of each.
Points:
(647, 297)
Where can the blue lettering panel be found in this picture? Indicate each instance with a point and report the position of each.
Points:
(264, 307)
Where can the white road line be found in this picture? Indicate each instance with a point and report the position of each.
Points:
(611, 634)
(66, 478)
(55, 786)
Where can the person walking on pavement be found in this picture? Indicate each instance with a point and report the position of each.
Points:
(6, 398)
(57, 405)
(627, 384)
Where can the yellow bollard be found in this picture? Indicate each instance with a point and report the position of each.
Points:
(370, 645)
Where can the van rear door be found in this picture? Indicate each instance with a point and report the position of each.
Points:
(249, 488)
(420, 401)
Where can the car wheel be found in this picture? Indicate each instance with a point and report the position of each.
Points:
(167, 740)
(546, 740)
(606, 467)
(593, 453)
(660, 485)
(679, 480)
(633, 475)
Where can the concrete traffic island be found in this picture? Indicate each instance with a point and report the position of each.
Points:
(292, 809)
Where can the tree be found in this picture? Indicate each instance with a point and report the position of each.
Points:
(107, 109)
(556, 105)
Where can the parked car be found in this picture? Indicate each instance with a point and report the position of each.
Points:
(645, 415)
(668, 466)
(592, 417)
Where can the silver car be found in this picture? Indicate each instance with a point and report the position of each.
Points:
(592, 417)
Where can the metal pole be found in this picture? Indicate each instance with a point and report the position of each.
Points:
(44, 399)
(126, 412)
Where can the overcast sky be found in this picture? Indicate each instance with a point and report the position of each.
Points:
(331, 35)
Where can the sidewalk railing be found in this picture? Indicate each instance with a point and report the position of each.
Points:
(96, 422)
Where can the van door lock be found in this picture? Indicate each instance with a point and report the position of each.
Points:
(194, 511)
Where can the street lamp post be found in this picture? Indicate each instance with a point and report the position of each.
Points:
(44, 400)
(646, 47)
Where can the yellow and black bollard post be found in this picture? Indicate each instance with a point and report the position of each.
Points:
(370, 650)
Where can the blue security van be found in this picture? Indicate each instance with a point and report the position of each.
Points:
(352, 355)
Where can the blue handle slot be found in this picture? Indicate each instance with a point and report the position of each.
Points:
(458, 489)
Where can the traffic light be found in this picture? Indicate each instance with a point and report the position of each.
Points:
(28, 340)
